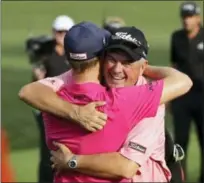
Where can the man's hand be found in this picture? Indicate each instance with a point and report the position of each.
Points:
(48, 101)
(60, 157)
(89, 117)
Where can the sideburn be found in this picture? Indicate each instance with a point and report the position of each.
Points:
(102, 78)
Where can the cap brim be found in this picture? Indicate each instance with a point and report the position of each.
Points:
(188, 13)
(60, 29)
(134, 56)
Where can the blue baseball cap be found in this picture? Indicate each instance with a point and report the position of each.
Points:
(85, 41)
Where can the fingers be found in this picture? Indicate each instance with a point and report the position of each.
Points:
(53, 166)
(99, 114)
(99, 103)
(61, 147)
(56, 168)
(92, 119)
(97, 120)
(96, 126)
(57, 144)
(92, 126)
(52, 159)
(102, 116)
(54, 163)
(54, 154)
(91, 129)
(93, 123)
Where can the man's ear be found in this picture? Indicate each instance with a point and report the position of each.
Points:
(143, 66)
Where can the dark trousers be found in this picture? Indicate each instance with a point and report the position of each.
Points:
(45, 173)
(186, 109)
(174, 167)
(176, 172)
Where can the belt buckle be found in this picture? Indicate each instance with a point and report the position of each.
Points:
(178, 153)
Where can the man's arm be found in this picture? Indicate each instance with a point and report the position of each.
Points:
(106, 165)
(44, 98)
(42, 95)
(113, 165)
(117, 165)
(176, 83)
(144, 100)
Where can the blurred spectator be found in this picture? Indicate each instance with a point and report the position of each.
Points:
(110, 23)
(50, 65)
(56, 63)
(187, 56)
(7, 174)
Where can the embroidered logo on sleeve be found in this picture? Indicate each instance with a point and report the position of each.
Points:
(137, 147)
(151, 86)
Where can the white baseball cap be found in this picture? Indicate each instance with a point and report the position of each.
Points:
(62, 23)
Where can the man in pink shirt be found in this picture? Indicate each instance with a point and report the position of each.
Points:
(152, 164)
(125, 106)
(108, 66)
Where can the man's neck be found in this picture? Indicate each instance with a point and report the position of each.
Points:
(91, 75)
(193, 33)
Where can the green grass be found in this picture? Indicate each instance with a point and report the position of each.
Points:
(19, 19)
(25, 163)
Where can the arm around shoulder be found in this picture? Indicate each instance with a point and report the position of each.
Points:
(44, 98)
(175, 85)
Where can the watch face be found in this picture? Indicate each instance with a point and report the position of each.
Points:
(72, 164)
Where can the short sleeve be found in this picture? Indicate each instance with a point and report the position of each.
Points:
(139, 102)
(144, 138)
(56, 82)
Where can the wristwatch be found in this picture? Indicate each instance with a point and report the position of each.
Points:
(72, 163)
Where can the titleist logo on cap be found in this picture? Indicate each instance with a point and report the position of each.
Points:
(127, 37)
(78, 56)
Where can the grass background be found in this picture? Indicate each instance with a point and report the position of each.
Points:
(20, 19)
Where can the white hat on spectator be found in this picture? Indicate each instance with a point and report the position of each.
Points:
(63, 23)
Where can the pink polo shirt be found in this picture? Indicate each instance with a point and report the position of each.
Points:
(125, 107)
(145, 145)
